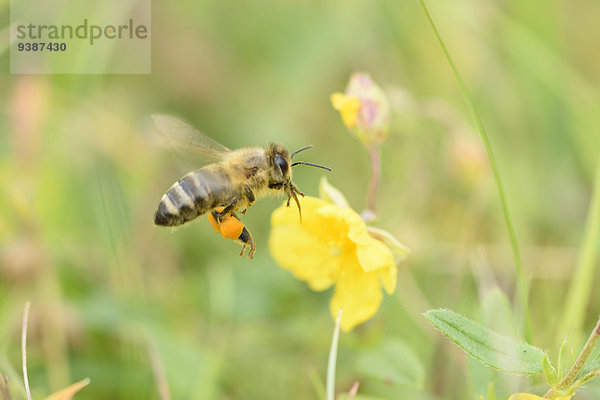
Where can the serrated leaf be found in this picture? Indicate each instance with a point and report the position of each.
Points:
(392, 362)
(489, 347)
(70, 391)
(549, 371)
(583, 380)
(593, 362)
(566, 358)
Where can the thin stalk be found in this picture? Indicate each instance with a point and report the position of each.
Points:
(24, 348)
(375, 156)
(333, 358)
(522, 285)
(158, 370)
(581, 284)
(579, 363)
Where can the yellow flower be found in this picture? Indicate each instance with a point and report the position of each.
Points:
(348, 108)
(333, 246)
(529, 396)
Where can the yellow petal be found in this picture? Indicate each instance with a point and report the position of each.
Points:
(347, 216)
(529, 396)
(305, 256)
(372, 253)
(332, 194)
(327, 222)
(358, 294)
(313, 250)
(338, 100)
(389, 278)
(524, 396)
(289, 215)
(400, 251)
(347, 106)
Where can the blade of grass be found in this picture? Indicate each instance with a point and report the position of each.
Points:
(522, 285)
(353, 391)
(317, 384)
(333, 358)
(158, 370)
(70, 391)
(24, 348)
(581, 285)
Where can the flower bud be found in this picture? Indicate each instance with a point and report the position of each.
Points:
(364, 109)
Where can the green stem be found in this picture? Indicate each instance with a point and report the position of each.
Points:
(568, 381)
(522, 285)
(583, 279)
(332, 358)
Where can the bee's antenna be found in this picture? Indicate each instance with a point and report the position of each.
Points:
(311, 164)
(299, 150)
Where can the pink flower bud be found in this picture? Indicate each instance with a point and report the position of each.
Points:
(364, 109)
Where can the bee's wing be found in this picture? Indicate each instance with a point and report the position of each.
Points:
(184, 136)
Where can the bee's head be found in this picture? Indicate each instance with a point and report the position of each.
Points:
(279, 165)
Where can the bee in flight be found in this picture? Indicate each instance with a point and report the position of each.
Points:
(232, 183)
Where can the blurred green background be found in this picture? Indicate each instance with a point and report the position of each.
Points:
(118, 300)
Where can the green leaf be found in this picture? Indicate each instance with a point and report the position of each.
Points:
(593, 362)
(549, 371)
(496, 312)
(582, 381)
(565, 358)
(489, 347)
(392, 362)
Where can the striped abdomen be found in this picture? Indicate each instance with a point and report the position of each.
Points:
(195, 194)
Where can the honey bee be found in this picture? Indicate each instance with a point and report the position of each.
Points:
(230, 184)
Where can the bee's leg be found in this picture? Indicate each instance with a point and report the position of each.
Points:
(227, 210)
(250, 198)
(245, 239)
(294, 189)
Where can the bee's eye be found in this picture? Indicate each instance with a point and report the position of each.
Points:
(281, 162)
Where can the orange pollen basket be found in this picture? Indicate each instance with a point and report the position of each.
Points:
(229, 228)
